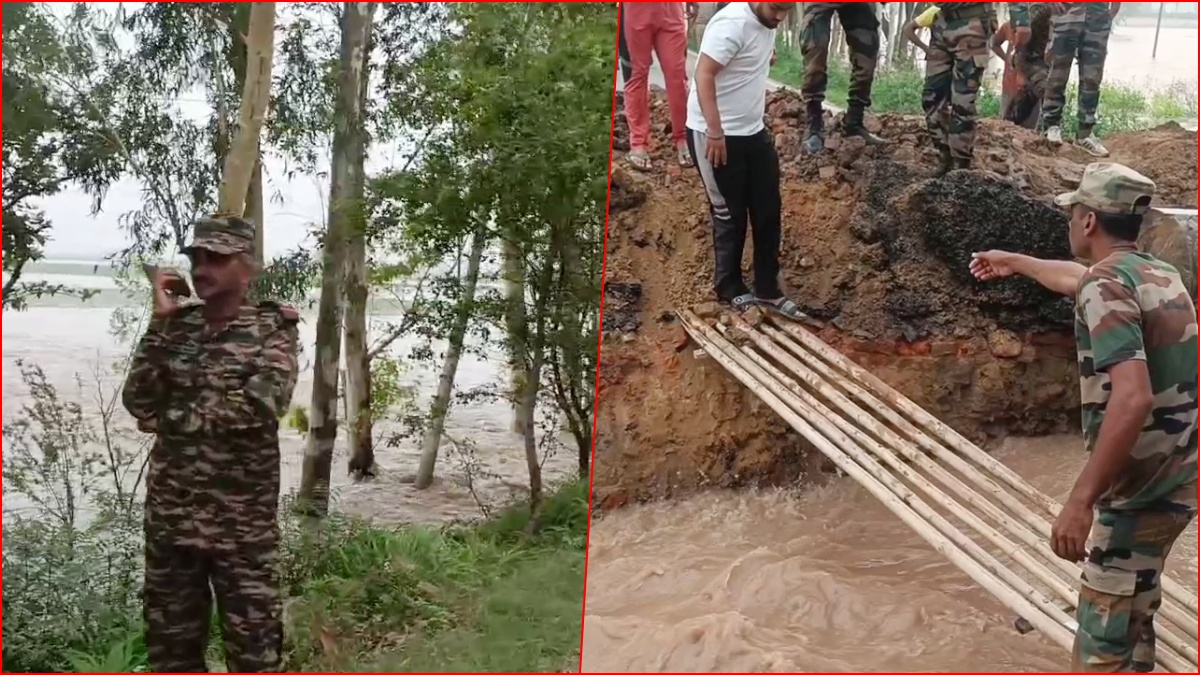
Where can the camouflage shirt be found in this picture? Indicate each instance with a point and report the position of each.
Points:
(213, 401)
(1133, 306)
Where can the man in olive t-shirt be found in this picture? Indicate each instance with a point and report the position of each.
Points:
(1135, 328)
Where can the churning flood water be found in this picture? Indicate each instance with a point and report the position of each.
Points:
(821, 579)
(70, 340)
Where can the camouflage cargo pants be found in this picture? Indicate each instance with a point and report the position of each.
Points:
(1120, 590)
(862, 38)
(177, 605)
(1080, 35)
(958, 58)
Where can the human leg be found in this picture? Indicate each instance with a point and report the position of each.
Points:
(935, 94)
(815, 24)
(639, 36)
(727, 189)
(670, 44)
(1093, 52)
(1065, 38)
(968, 40)
(176, 606)
(1121, 589)
(248, 596)
(862, 40)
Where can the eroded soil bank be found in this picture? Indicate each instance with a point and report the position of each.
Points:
(877, 250)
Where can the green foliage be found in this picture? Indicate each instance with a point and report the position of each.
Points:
(519, 96)
(1122, 108)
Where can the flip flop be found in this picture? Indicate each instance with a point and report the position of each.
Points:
(685, 158)
(784, 307)
(639, 160)
(742, 302)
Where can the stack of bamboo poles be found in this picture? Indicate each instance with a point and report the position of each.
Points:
(924, 471)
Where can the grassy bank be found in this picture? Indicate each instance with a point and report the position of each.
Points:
(1122, 107)
(482, 597)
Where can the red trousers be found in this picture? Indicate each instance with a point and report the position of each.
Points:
(655, 28)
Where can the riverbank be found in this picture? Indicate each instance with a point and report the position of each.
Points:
(360, 597)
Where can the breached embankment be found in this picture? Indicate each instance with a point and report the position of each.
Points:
(878, 251)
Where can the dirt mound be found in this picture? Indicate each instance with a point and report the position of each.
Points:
(878, 249)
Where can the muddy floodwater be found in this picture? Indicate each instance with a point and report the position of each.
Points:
(69, 340)
(822, 579)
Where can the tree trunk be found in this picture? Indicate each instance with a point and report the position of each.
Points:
(458, 332)
(254, 211)
(345, 213)
(256, 94)
(358, 361)
(514, 317)
(533, 347)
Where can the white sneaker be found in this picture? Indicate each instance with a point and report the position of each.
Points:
(1092, 145)
(1054, 134)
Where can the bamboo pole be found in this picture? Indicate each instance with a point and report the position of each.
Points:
(846, 434)
(902, 508)
(936, 427)
(1041, 528)
(1010, 548)
(957, 442)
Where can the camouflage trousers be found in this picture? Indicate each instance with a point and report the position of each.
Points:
(958, 58)
(180, 583)
(1079, 36)
(862, 38)
(1120, 590)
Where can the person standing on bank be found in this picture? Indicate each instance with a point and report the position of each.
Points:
(1135, 331)
(651, 28)
(210, 381)
(862, 38)
(1081, 31)
(954, 68)
(735, 153)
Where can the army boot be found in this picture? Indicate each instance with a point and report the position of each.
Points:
(852, 125)
(945, 162)
(814, 139)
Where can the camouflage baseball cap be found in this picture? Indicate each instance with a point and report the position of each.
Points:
(1113, 188)
(225, 235)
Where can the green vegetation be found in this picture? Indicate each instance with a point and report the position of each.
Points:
(1122, 107)
(499, 594)
(475, 597)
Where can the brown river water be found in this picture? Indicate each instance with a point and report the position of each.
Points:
(818, 579)
(74, 347)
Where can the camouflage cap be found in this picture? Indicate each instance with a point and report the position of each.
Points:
(226, 235)
(1113, 188)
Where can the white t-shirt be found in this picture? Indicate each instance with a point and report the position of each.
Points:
(736, 39)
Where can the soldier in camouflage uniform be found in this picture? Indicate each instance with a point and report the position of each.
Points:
(862, 38)
(958, 58)
(210, 381)
(1135, 329)
(1080, 34)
